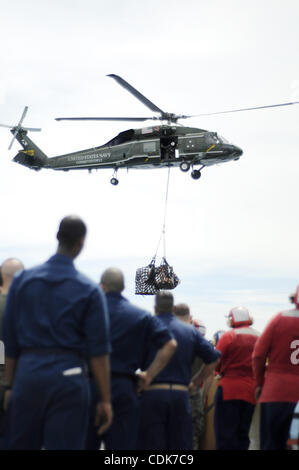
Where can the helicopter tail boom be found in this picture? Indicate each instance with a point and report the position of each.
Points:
(31, 155)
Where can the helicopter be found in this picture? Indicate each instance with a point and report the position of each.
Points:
(165, 144)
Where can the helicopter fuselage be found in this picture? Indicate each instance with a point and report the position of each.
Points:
(152, 147)
(148, 147)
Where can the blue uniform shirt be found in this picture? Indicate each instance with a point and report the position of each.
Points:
(54, 306)
(191, 344)
(130, 329)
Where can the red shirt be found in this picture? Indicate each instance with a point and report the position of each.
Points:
(235, 365)
(278, 347)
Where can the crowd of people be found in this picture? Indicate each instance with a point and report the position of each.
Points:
(86, 369)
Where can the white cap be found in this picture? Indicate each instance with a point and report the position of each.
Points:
(239, 316)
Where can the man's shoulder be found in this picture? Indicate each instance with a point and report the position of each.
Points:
(183, 326)
(284, 322)
(292, 313)
(185, 329)
(26, 273)
(85, 279)
(274, 322)
(133, 308)
(226, 339)
(49, 271)
(31, 272)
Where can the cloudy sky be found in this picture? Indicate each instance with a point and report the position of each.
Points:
(232, 236)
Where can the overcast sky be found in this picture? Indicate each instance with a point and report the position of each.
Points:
(232, 236)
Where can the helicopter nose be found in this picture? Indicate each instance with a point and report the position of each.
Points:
(237, 152)
(233, 151)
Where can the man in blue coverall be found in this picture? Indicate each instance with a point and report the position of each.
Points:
(54, 319)
(130, 330)
(165, 413)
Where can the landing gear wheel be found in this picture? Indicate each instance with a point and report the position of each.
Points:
(114, 181)
(196, 174)
(185, 166)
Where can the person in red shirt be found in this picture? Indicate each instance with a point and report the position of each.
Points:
(276, 372)
(234, 398)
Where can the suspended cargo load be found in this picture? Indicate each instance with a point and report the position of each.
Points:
(151, 279)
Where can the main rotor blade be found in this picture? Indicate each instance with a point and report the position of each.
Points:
(105, 118)
(246, 109)
(31, 129)
(136, 93)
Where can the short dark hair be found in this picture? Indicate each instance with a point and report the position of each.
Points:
(71, 230)
(164, 301)
(113, 280)
(181, 310)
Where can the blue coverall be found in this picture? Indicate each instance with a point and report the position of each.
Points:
(54, 318)
(131, 328)
(165, 415)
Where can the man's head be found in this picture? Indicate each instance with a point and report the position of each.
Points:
(71, 235)
(8, 270)
(112, 280)
(164, 302)
(182, 311)
(239, 316)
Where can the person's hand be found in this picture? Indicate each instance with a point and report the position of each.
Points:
(257, 393)
(104, 416)
(144, 381)
(192, 388)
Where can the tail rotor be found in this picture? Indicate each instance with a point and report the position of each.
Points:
(16, 129)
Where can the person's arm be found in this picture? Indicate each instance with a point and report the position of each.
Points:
(161, 359)
(206, 387)
(10, 321)
(223, 345)
(206, 371)
(96, 327)
(10, 368)
(9, 336)
(210, 357)
(100, 368)
(259, 356)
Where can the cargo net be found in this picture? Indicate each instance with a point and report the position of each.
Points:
(151, 278)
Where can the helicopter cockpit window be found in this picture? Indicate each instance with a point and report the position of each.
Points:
(223, 140)
(121, 138)
(212, 138)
